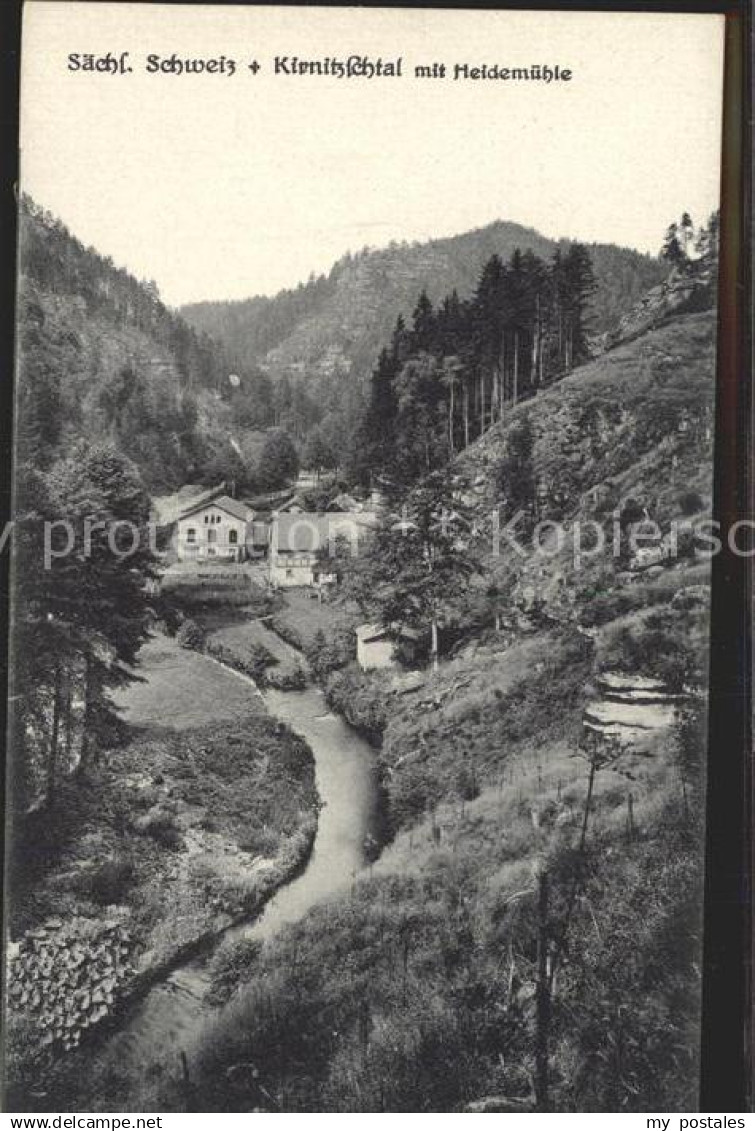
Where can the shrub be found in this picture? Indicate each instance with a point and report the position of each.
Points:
(163, 828)
(690, 502)
(361, 698)
(291, 679)
(107, 882)
(167, 613)
(661, 646)
(327, 654)
(191, 635)
(287, 632)
(232, 964)
(606, 607)
(467, 786)
(631, 512)
(686, 544)
(262, 842)
(256, 662)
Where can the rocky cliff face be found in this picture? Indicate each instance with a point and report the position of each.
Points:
(625, 440)
(333, 327)
(683, 292)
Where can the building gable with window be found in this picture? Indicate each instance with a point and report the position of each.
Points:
(217, 529)
(301, 543)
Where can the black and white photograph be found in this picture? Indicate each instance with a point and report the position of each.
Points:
(361, 552)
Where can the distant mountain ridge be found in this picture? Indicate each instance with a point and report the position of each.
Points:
(334, 325)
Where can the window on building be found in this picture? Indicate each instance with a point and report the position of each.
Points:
(207, 518)
(212, 535)
(191, 534)
(233, 537)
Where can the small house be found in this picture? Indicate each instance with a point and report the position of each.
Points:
(374, 647)
(300, 544)
(379, 648)
(218, 529)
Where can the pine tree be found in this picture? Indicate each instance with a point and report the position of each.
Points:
(516, 473)
(376, 439)
(673, 250)
(686, 232)
(578, 288)
(423, 324)
(318, 454)
(279, 460)
(418, 562)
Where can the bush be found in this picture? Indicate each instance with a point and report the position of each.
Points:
(232, 964)
(191, 635)
(255, 663)
(606, 607)
(467, 786)
(108, 882)
(163, 828)
(361, 698)
(167, 613)
(291, 679)
(287, 632)
(327, 654)
(663, 645)
(690, 502)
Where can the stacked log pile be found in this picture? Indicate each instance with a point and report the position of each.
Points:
(65, 978)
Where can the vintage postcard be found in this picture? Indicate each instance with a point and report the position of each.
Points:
(362, 542)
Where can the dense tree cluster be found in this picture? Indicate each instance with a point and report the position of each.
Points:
(52, 258)
(419, 561)
(686, 247)
(278, 462)
(446, 379)
(101, 355)
(318, 342)
(251, 327)
(82, 567)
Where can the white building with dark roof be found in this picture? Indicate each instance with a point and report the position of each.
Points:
(300, 544)
(214, 530)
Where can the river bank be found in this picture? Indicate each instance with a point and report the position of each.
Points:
(131, 1061)
(414, 987)
(204, 811)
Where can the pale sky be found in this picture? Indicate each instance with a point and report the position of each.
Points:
(224, 187)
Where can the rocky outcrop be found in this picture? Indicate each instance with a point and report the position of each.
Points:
(683, 292)
(631, 708)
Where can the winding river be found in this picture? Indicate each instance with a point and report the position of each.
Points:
(161, 1025)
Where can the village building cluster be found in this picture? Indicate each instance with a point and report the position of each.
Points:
(295, 544)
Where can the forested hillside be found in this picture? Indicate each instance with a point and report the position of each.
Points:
(101, 355)
(326, 334)
(530, 939)
(191, 401)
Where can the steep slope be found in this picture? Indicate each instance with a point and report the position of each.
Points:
(486, 766)
(335, 325)
(101, 356)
